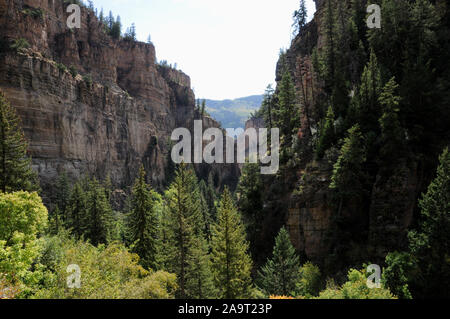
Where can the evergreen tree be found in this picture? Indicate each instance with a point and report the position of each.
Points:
(398, 273)
(206, 208)
(116, 29)
(231, 262)
(55, 223)
(392, 133)
(15, 166)
(420, 94)
(287, 115)
(342, 61)
(101, 16)
(63, 194)
(99, 215)
(281, 273)
(431, 243)
(268, 106)
(369, 92)
(110, 21)
(199, 281)
(327, 134)
(209, 195)
(203, 108)
(108, 186)
(144, 222)
(171, 166)
(131, 33)
(348, 177)
(77, 211)
(184, 225)
(300, 17)
(357, 29)
(250, 191)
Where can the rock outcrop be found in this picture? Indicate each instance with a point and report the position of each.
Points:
(91, 104)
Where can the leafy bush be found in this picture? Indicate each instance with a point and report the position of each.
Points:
(356, 288)
(22, 218)
(107, 272)
(310, 280)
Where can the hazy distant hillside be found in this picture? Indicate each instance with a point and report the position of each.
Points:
(234, 113)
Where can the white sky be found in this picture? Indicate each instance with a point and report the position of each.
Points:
(229, 48)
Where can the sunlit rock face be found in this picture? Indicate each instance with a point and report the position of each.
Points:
(116, 112)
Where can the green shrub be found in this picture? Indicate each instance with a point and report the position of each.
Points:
(107, 272)
(34, 12)
(22, 218)
(19, 45)
(61, 67)
(400, 267)
(356, 288)
(310, 281)
(73, 71)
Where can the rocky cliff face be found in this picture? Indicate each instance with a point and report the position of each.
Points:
(313, 222)
(90, 104)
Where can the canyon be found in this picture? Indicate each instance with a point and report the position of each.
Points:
(92, 105)
(301, 199)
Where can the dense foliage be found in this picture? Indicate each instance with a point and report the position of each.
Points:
(382, 105)
(374, 111)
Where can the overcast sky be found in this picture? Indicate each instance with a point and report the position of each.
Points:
(229, 48)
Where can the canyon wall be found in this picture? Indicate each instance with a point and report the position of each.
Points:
(304, 203)
(90, 104)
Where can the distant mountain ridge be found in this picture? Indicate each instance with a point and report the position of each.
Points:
(234, 113)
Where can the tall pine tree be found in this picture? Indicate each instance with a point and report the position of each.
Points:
(368, 98)
(327, 133)
(392, 133)
(287, 114)
(349, 177)
(77, 211)
(431, 243)
(143, 221)
(15, 166)
(250, 190)
(231, 262)
(63, 194)
(99, 215)
(300, 17)
(280, 275)
(199, 281)
(184, 224)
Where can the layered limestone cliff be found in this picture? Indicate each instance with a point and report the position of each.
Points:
(91, 104)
